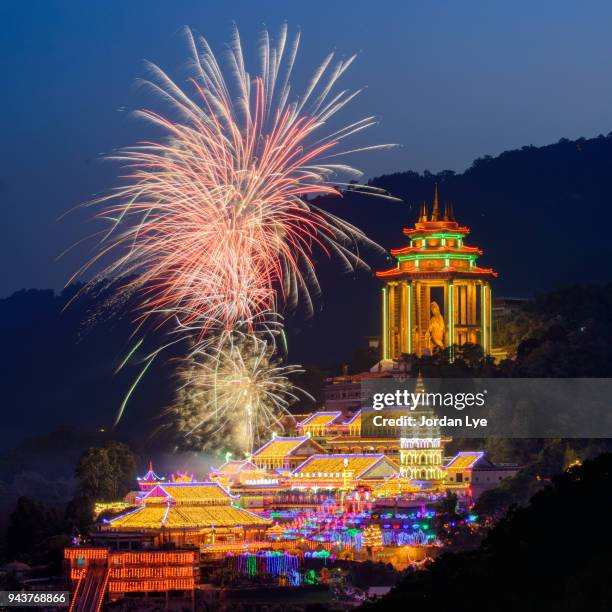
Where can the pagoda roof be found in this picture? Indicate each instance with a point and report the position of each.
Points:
(283, 446)
(451, 271)
(150, 476)
(355, 418)
(331, 467)
(426, 228)
(408, 250)
(321, 418)
(465, 460)
(186, 517)
(188, 493)
(439, 224)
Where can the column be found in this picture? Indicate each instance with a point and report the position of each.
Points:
(408, 316)
(385, 325)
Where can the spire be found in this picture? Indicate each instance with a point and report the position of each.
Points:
(420, 384)
(435, 213)
(423, 213)
(446, 212)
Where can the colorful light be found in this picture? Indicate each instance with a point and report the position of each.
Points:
(212, 226)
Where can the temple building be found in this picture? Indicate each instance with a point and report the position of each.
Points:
(339, 434)
(472, 470)
(344, 393)
(321, 424)
(235, 473)
(436, 296)
(188, 514)
(98, 572)
(422, 452)
(285, 452)
(335, 472)
(150, 479)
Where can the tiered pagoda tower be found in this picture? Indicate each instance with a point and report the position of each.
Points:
(436, 296)
(422, 452)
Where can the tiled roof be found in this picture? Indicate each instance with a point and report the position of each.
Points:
(465, 460)
(321, 418)
(333, 466)
(186, 517)
(355, 419)
(280, 447)
(188, 493)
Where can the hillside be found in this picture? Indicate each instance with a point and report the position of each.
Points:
(540, 214)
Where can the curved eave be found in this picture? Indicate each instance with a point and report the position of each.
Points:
(444, 249)
(397, 273)
(415, 232)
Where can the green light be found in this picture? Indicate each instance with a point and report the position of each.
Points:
(483, 302)
(409, 317)
(418, 256)
(451, 318)
(490, 318)
(384, 330)
(442, 235)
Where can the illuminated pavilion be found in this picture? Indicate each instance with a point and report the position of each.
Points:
(189, 514)
(285, 452)
(343, 472)
(436, 296)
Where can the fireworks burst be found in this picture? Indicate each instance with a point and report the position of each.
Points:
(212, 222)
(233, 396)
(214, 231)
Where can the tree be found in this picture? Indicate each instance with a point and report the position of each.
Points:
(526, 561)
(30, 525)
(123, 467)
(107, 473)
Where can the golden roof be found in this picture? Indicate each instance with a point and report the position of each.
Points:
(146, 517)
(464, 460)
(187, 493)
(187, 517)
(279, 447)
(321, 418)
(333, 466)
(355, 419)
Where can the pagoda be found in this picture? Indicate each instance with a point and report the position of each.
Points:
(436, 296)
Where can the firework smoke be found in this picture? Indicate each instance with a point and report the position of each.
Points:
(233, 396)
(213, 231)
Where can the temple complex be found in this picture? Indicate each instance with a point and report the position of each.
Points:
(436, 296)
(335, 485)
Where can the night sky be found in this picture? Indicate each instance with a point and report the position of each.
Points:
(450, 81)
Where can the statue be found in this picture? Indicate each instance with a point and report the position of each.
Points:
(436, 332)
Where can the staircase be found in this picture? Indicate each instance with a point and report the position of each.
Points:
(89, 593)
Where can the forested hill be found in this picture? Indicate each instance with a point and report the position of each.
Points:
(542, 216)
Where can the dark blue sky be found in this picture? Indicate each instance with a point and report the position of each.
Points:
(450, 81)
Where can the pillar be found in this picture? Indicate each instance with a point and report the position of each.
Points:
(408, 316)
(385, 327)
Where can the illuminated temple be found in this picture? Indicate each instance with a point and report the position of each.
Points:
(332, 486)
(436, 295)
(189, 514)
